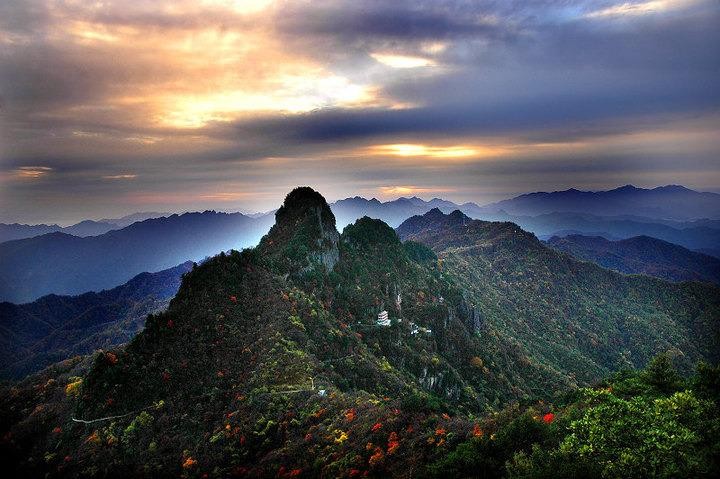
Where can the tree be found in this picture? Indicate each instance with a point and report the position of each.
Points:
(661, 374)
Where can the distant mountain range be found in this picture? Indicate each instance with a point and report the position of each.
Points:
(694, 235)
(699, 234)
(14, 231)
(391, 212)
(668, 202)
(9, 232)
(642, 255)
(672, 205)
(54, 328)
(61, 263)
(58, 263)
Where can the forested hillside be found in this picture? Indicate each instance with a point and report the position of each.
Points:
(54, 328)
(642, 255)
(273, 362)
(576, 318)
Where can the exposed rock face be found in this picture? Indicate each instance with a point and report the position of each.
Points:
(470, 316)
(327, 253)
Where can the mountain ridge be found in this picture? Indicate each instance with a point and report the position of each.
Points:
(642, 255)
(63, 264)
(83, 264)
(667, 202)
(54, 328)
(489, 251)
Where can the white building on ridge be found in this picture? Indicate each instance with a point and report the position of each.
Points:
(383, 319)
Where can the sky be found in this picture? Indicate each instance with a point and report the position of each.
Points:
(112, 107)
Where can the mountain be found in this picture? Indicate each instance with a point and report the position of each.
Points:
(58, 263)
(714, 252)
(278, 362)
(127, 220)
(110, 259)
(54, 328)
(391, 212)
(642, 255)
(691, 235)
(9, 232)
(600, 234)
(561, 311)
(669, 202)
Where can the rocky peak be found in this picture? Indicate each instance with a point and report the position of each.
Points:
(301, 202)
(304, 233)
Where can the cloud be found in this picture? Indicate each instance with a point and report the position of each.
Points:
(216, 96)
(639, 8)
(402, 61)
(32, 172)
(395, 191)
(415, 150)
(401, 20)
(120, 177)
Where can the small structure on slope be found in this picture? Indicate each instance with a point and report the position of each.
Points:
(382, 319)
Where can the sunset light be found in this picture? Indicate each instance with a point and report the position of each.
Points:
(305, 239)
(402, 61)
(431, 151)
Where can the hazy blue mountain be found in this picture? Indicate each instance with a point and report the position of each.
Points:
(555, 224)
(624, 222)
(9, 232)
(601, 234)
(642, 255)
(669, 202)
(13, 231)
(127, 220)
(673, 206)
(391, 212)
(54, 328)
(62, 264)
(58, 263)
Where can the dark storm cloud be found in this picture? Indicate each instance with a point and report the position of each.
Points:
(582, 114)
(558, 70)
(385, 20)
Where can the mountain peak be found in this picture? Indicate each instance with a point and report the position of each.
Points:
(304, 233)
(368, 231)
(458, 216)
(626, 189)
(454, 218)
(673, 188)
(434, 214)
(302, 198)
(434, 220)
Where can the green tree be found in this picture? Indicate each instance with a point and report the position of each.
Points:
(662, 375)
